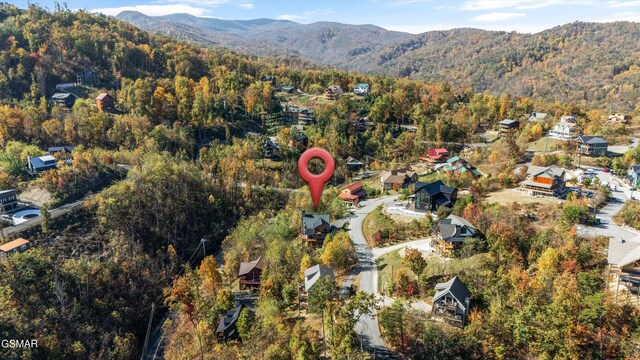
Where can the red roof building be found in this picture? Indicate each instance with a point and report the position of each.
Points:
(435, 155)
(353, 193)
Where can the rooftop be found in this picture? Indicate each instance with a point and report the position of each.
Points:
(11, 245)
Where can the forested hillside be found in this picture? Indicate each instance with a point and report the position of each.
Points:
(592, 64)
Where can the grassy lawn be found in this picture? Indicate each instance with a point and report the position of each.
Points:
(387, 264)
(545, 142)
(369, 227)
(434, 176)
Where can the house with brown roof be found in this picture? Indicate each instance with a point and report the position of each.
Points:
(353, 164)
(353, 193)
(105, 102)
(333, 92)
(15, 246)
(617, 119)
(435, 156)
(249, 274)
(397, 179)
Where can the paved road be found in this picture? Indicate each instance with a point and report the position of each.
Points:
(367, 327)
(59, 211)
(607, 227)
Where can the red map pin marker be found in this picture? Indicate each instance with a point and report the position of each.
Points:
(316, 182)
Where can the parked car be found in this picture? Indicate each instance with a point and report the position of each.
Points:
(606, 170)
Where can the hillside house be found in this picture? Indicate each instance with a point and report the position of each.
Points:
(537, 116)
(430, 196)
(564, 130)
(65, 100)
(315, 227)
(362, 124)
(249, 274)
(623, 257)
(227, 329)
(270, 148)
(8, 200)
(435, 156)
(460, 166)
(633, 175)
(291, 112)
(60, 149)
(397, 179)
(592, 145)
(38, 164)
(306, 117)
(617, 119)
(452, 302)
(105, 102)
(287, 89)
(315, 273)
(89, 78)
(544, 181)
(451, 233)
(508, 126)
(15, 246)
(353, 193)
(270, 79)
(361, 89)
(333, 92)
(353, 164)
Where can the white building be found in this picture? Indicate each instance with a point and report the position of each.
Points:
(564, 130)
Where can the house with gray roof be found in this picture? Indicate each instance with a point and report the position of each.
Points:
(537, 116)
(633, 175)
(592, 145)
(430, 196)
(544, 181)
(452, 302)
(508, 126)
(315, 227)
(38, 164)
(63, 99)
(8, 200)
(227, 327)
(451, 233)
(315, 273)
(623, 256)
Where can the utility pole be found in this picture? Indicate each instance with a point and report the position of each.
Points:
(324, 338)
(146, 339)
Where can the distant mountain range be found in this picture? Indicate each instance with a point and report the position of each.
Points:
(595, 64)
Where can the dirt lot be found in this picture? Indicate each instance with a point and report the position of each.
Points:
(508, 196)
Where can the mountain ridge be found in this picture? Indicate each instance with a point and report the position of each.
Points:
(581, 62)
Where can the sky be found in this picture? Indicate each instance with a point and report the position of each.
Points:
(414, 16)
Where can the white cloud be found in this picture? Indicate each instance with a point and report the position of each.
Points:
(154, 10)
(479, 5)
(497, 16)
(197, 2)
(247, 6)
(618, 4)
(305, 14)
(525, 27)
(289, 17)
(622, 16)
